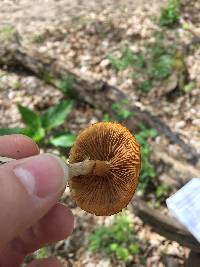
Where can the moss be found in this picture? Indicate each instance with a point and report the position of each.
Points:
(7, 33)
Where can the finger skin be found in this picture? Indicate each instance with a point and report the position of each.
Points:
(19, 208)
(54, 226)
(17, 146)
(52, 262)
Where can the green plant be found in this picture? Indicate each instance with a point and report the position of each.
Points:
(154, 64)
(128, 58)
(170, 15)
(66, 86)
(6, 131)
(121, 110)
(144, 86)
(161, 68)
(189, 87)
(117, 239)
(38, 38)
(106, 117)
(63, 140)
(40, 126)
(148, 171)
(160, 58)
(41, 253)
(162, 190)
(6, 33)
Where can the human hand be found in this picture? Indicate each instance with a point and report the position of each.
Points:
(30, 216)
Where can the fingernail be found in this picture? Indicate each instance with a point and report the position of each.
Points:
(42, 175)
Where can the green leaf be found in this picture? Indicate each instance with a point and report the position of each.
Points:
(56, 115)
(145, 86)
(6, 131)
(118, 63)
(113, 247)
(66, 85)
(128, 58)
(134, 249)
(161, 68)
(29, 117)
(122, 112)
(42, 253)
(36, 134)
(162, 190)
(64, 140)
(170, 15)
(122, 253)
(106, 117)
(189, 87)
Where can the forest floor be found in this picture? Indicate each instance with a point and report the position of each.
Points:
(82, 35)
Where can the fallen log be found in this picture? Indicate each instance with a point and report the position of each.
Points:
(97, 93)
(164, 225)
(193, 259)
(178, 170)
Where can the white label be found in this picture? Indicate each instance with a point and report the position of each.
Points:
(185, 206)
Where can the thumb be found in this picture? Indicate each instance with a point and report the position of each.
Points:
(28, 189)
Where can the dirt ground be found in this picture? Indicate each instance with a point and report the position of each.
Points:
(24, 13)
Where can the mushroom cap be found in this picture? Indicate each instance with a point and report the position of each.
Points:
(110, 193)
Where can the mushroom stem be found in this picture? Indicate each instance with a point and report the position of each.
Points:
(95, 167)
(4, 160)
(81, 168)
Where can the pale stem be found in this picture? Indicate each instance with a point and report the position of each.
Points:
(75, 169)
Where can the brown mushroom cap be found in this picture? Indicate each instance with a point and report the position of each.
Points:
(110, 193)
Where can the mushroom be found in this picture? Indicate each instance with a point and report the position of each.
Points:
(112, 164)
(104, 166)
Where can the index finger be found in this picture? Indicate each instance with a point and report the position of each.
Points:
(17, 146)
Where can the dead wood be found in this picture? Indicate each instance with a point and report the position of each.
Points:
(179, 171)
(164, 225)
(193, 259)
